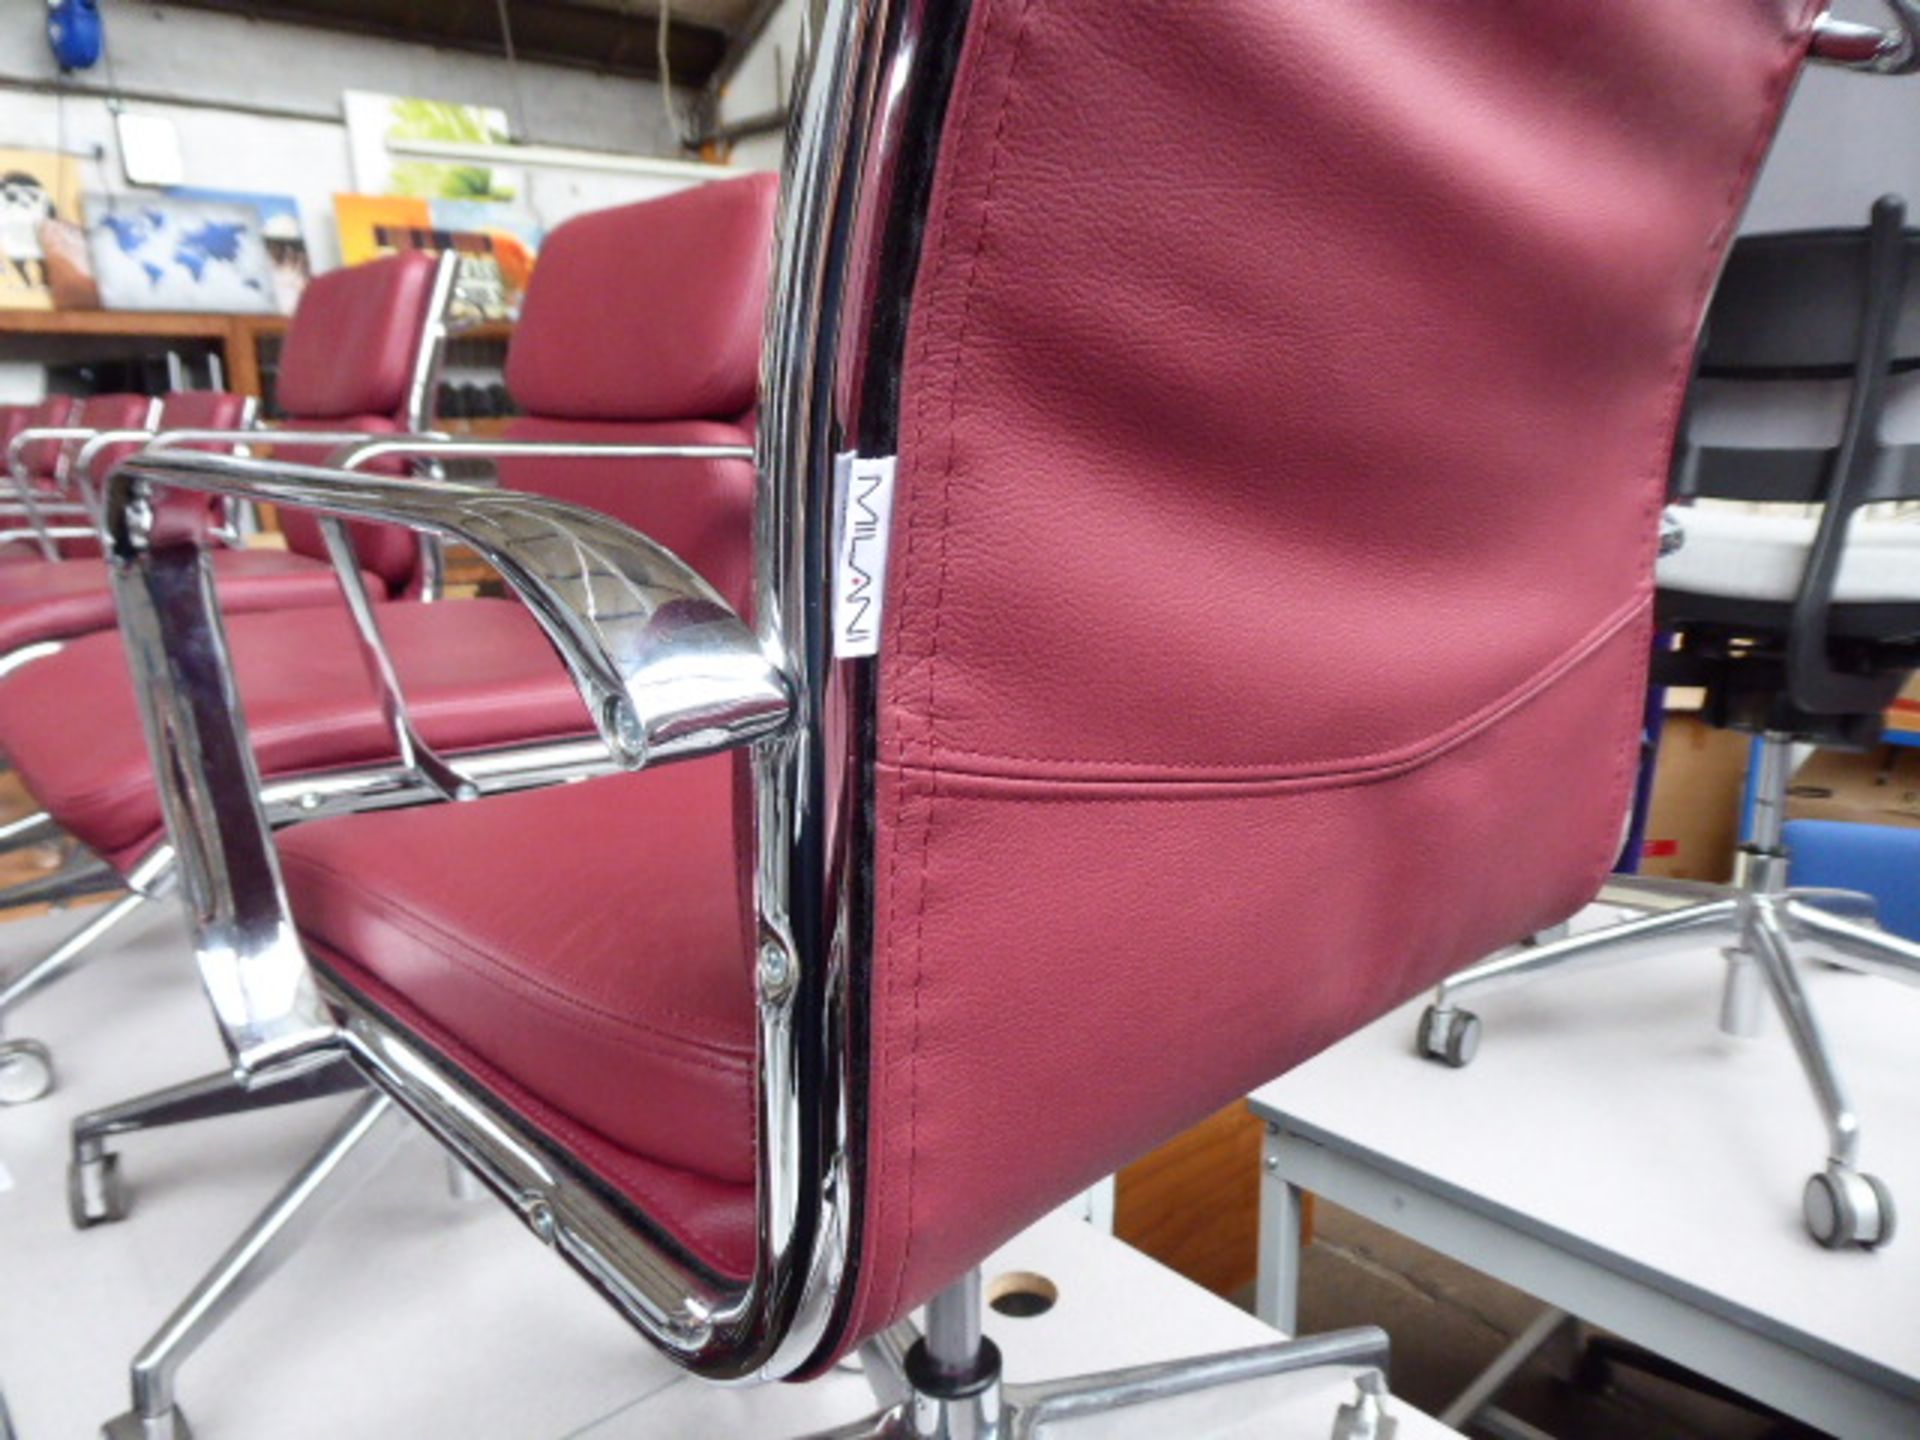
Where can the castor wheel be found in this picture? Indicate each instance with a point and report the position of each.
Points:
(171, 1426)
(1448, 1035)
(26, 1071)
(1848, 1210)
(96, 1195)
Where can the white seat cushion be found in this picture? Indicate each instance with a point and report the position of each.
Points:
(1749, 555)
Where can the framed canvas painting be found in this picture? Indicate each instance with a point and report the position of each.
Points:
(166, 253)
(44, 260)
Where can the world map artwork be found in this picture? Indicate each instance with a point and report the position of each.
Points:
(214, 242)
(180, 255)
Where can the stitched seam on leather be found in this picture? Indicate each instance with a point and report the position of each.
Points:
(1016, 47)
(1254, 769)
(1074, 790)
(483, 966)
(1310, 775)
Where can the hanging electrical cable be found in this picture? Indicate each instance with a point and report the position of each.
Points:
(520, 131)
(663, 25)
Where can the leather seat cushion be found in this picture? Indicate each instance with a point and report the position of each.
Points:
(476, 673)
(632, 1015)
(55, 600)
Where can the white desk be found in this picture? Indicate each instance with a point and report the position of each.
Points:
(408, 1313)
(1611, 1153)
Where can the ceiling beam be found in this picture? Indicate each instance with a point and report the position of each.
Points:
(553, 32)
(743, 41)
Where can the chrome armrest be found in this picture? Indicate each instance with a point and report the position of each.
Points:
(415, 753)
(666, 669)
(366, 452)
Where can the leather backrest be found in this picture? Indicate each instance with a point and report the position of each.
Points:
(387, 551)
(650, 311)
(42, 457)
(702, 510)
(202, 410)
(194, 410)
(1287, 401)
(114, 412)
(350, 347)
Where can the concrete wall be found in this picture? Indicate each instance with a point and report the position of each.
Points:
(257, 107)
(764, 81)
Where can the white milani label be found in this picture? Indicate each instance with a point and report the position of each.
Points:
(860, 552)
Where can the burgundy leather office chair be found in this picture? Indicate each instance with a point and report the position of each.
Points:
(39, 461)
(34, 466)
(1210, 466)
(56, 522)
(663, 442)
(359, 357)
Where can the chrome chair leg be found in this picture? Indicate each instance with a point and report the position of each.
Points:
(1853, 945)
(96, 1192)
(1451, 1034)
(957, 1392)
(463, 1186)
(1844, 1207)
(355, 1150)
(39, 828)
(26, 1068)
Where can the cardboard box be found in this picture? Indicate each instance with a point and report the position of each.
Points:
(1903, 715)
(1881, 787)
(1693, 824)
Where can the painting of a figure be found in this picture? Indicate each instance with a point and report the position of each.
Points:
(44, 262)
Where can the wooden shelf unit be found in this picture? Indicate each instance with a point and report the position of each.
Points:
(236, 337)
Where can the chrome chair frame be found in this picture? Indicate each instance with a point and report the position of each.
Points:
(667, 671)
(26, 1065)
(419, 775)
(35, 508)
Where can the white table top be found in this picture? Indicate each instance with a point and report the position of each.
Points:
(1607, 1114)
(409, 1313)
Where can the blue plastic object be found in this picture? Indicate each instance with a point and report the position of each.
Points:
(1883, 860)
(75, 33)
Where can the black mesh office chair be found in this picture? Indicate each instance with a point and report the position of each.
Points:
(1800, 625)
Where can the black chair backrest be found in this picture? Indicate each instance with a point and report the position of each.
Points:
(1790, 307)
(1818, 305)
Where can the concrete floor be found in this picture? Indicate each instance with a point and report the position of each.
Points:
(1448, 1322)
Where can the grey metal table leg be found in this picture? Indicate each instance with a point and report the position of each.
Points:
(354, 1151)
(1478, 1396)
(1277, 1285)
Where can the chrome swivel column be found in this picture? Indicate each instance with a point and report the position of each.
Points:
(355, 1150)
(1759, 920)
(956, 1391)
